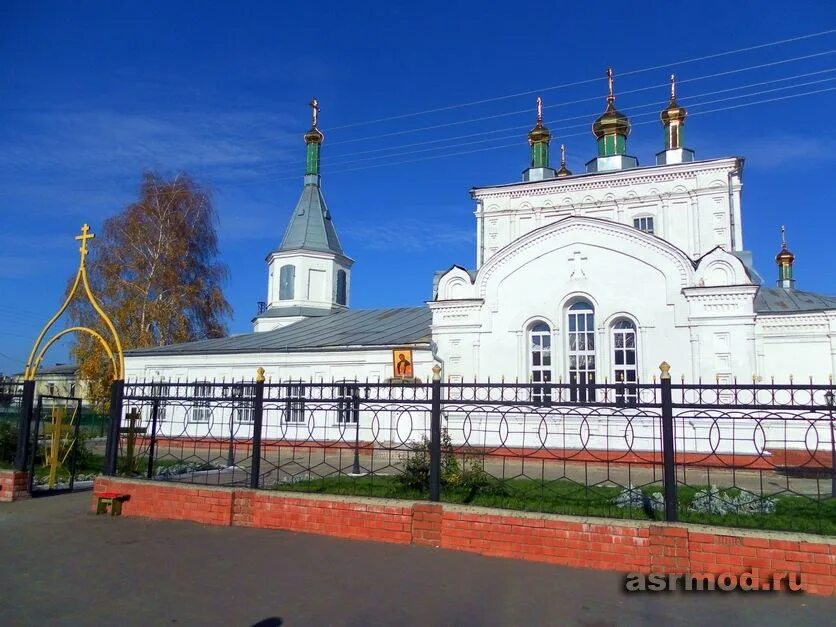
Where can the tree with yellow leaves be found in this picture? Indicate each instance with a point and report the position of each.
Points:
(155, 271)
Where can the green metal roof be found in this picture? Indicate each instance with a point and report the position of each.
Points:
(311, 227)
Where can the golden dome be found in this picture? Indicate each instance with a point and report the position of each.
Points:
(539, 134)
(314, 136)
(784, 258)
(673, 112)
(611, 122)
(563, 171)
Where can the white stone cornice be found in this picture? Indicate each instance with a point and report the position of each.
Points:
(609, 180)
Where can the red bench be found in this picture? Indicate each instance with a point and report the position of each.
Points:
(113, 500)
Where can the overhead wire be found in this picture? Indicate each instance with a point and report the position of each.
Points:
(590, 80)
(453, 141)
(517, 143)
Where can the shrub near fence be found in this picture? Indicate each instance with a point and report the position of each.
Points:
(754, 456)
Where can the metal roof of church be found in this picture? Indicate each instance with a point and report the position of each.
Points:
(770, 300)
(311, 227)
(352, 328)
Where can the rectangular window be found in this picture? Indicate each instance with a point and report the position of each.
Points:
(295, 404)
(201, 406)
(341, 287)
(287, 277)
(345, 404)
(157, 392)
(645, 223)
(242, 405)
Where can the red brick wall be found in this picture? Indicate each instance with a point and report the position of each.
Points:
(620, 545)
(13, 485)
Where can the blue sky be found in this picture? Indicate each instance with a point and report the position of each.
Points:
(93, 93)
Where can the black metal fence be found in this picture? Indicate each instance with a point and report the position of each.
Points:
(753, 455)
(11, 397)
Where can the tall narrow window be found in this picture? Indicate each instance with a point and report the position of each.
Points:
(540, 361)
(644, 223)
(295, 408)
(625, 361)
(287, 277)
(341, 287)
(242, 405)
(581, 329)
(158, 392)
(345, 403)
(201, 406)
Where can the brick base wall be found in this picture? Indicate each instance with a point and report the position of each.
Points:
(620, 545)
(14, 485)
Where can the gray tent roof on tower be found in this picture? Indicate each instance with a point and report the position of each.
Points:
(355, 328)
(310, 226)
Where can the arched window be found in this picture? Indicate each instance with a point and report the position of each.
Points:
(625, 360)
(341, 287)
(287, 278)
(581, 330)
(540, 360)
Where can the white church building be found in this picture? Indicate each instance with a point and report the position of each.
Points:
(579, 277)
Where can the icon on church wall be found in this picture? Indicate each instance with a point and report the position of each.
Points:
(402, 363)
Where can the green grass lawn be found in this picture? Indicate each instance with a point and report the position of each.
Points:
(792, 513)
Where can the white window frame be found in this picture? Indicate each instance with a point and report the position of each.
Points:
(625, 373)
(540, 359)
(294, 413)
(345, 402)
(580, 334)
(242, 405)
(642, 222)
(157, 392)
(202, 408)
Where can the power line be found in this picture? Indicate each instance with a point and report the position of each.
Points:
(517, 144)
(453, 141)
(500, 115)
(759, 66)
(629, 110)
(586, 81)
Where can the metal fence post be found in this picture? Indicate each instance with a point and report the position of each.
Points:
(117, 393)
(258, 420)
(668, 452)
(24, 425)
(155, 412)
(435, 436)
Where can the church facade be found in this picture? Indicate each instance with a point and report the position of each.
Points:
(580, 278)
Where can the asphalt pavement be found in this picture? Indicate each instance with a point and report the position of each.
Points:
(62, 565)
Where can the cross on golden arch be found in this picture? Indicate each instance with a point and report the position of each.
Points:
(85, 235)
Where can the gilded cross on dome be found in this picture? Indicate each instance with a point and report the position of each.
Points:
(85, 235)
(314, 111)
(673, 87)
(610, 95)
(539, 110)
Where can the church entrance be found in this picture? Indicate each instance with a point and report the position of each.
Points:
(55, 445)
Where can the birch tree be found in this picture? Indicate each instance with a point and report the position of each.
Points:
(155, 270)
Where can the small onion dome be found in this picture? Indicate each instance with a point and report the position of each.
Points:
(673, 113)
(563, 171)
(785, 257)
(314, 136)
(539, 134)
(611, 122)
